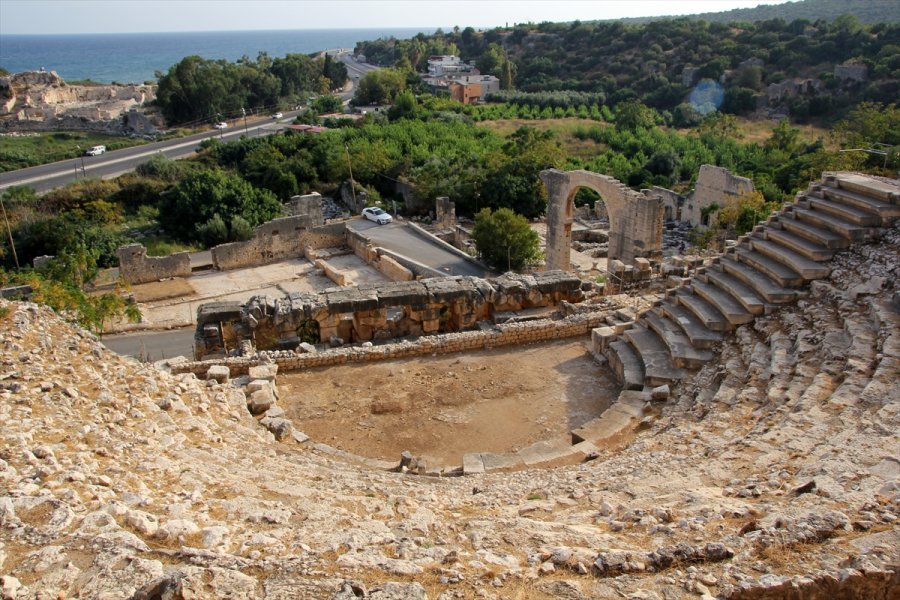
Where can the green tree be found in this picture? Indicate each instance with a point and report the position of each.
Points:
(199, 197)
(380, 87)
(515, 181)
(335, 72)
(60, 285)
(505, 240)
(632, 114)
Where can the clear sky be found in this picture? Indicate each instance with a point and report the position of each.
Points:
(114, 16)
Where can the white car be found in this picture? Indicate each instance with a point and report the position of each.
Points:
(95, 151)
(277, 115)
(373, 213)
(221, 125)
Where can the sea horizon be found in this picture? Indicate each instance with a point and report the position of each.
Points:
(136, 57)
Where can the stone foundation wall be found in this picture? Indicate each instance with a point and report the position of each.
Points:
(273, 241)
(136, 267)
(378, 312)
(507, 334)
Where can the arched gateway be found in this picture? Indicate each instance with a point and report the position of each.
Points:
(635, 218)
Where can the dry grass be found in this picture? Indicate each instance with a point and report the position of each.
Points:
(563, 128)
(162, 290)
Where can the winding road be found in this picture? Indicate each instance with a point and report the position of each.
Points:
(44, 178)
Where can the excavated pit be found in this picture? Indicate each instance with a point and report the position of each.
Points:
(442, 407)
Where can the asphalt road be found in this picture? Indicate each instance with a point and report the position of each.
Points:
(153, 345)
(44, 178)
(399, 238)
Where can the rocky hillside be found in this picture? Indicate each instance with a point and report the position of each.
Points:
(41, 99)
(772, 472)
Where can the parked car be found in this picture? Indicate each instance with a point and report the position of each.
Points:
(221, 125)
(95, 151)
(373, 213)
(277, 115)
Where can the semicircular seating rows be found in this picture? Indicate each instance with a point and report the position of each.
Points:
(770, 266)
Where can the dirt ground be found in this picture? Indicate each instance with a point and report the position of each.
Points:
(442, 407)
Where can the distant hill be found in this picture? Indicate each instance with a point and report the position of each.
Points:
(808, 66)
(867, 11)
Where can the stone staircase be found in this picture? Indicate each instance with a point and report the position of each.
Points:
(768, 267)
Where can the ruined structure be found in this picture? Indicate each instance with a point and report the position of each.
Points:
(635, 218)
(136, 267)
(309, 205)
(767, 470)
(766, 268)
(445, 213)
(377, 312)
(715, 185)
(276, 240)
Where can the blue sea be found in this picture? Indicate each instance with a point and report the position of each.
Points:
(136, 57)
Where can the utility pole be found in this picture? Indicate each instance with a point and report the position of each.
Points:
(12, 244)
(244, 112)
(350, 166)
(76, 162)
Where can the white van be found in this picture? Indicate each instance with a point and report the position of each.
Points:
(95, 151)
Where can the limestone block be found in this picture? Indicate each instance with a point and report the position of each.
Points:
(601, 337)
(267, 371)
(279, 426)
(472, 464)
(220, 373)
(261, 384)
(506, 461)
(261, 401)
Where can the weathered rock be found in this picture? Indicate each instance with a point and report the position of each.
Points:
(260, 401)
(219, 373)
(280, 427)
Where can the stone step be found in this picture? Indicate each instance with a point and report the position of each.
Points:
(726, 304)
(763, 285)
(771, 268)
(845, 229)
(740, 291)
(705, 312)
(658, 366)
(626, 365)
(842, 211)
(622, 416)
(883, 208)
(801, 245)
(865, 185)
(680, 348)
(694, 329)
(806, 268)
(818, 234)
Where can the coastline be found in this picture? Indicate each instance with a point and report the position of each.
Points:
(137, 57)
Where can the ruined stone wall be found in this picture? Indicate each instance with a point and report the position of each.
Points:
(273, 241)
(506, 334)
(445, 213)
(635, 218)
(672, 203)
(382, 311)
(136, 267)
(308, 204)
(715, 185)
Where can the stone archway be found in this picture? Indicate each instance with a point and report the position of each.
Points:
(635, 218)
